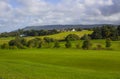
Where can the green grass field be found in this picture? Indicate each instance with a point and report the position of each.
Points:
(59, 64)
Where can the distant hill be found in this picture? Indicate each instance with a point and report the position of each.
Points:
(61, 27)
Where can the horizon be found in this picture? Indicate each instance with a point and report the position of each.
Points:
(16, 14)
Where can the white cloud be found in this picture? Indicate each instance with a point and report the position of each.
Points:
(41, 12)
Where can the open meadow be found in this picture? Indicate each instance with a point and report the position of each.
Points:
(60, 63)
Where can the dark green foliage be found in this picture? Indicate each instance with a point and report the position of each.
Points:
(78, 45)
(108, 43)
(68, 44)
(86, 44)
(47, 45)
(18, 42)
(97, 34)
(118, 29)
(72, 37)
(5, 46)
(29, 33)
(40, 32)
(85, 37)
(13, 47)
(56, 44)
(35, 43)
(98, 47)
(107, 31)
(48, 39)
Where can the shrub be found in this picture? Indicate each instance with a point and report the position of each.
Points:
(98, 47)
(86, 44)
(5, 46)
(72, 37)
(56, 45)
(48, 39)
(13, 47)
(35, 43)
(108, 43)
(78, 46)
(68, 44)
(18, 42)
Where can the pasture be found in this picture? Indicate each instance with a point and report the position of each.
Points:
(59, 64)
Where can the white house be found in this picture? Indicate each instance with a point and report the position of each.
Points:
(73, 30)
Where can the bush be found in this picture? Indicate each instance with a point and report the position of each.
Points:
(98, 47)
(5, 46)
(86, 44)
(108, 43)
(56, 45)
(68, 44)
(35, 43)
(72, 37)
(47, 45)
(13, 47)
(78, 46)
(48, 40)
(18, 42)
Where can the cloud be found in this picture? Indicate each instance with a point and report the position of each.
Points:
(16, 14)
(111, 9)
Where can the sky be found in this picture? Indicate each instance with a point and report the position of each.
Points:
(15, 14)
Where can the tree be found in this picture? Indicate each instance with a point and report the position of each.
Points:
(68, 44)
(106, 31)
(118, 29)
(56, 44)
(97, 34)
(35, 43)
(18, 42)
(108, 43)
(86, 44)
(72, 37)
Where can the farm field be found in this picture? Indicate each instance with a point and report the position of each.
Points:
(59, 64)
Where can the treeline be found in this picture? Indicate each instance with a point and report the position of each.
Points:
(108, 33)
(105, 32)
(46, 42)
(25, 33)
(22, 43)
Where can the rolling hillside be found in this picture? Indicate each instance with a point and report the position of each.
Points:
(62, 35)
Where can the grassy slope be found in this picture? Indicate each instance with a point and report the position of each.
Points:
(62, 35)
(5, 40)
(59, 64)
(55, 36)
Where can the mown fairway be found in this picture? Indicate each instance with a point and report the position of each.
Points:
(59, 64)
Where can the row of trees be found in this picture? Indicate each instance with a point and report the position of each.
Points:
(29, 33)
(21, 43)
(105, 32)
